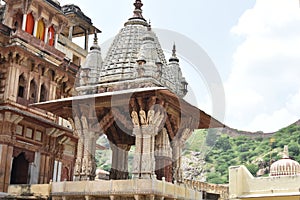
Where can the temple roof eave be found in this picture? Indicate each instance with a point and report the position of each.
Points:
(63, 107)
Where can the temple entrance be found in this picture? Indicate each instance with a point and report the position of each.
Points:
(19, 173)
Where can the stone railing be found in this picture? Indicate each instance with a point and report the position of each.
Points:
(37, 46)
(54, 4)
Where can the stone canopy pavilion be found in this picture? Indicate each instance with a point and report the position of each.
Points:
(135, 97)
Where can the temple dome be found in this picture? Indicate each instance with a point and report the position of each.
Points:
(122, 67)
(285, 166)
(124, 52)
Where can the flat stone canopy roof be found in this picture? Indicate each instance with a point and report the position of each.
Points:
(63, 107)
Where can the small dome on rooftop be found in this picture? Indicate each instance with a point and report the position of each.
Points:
(285, 166)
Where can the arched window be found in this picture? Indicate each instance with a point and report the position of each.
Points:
(51, 34)
(51, 75)
(33, 92)
(22, 86)
(43, 93)
(40, 34)
(29, 24)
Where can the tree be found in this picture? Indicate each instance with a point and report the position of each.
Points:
(223, 143)
(253, 168)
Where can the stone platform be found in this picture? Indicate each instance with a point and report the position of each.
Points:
(136, 189)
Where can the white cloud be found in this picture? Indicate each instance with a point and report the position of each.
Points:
(262, 87)
(293, 104)
(282, 117)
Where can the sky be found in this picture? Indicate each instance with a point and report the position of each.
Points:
(254, 45)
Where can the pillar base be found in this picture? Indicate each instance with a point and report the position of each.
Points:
(118, 175)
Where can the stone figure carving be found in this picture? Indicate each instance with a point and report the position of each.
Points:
(150, 118)
(135, 118)
(143, 118)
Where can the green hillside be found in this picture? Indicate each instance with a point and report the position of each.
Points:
(209, 153)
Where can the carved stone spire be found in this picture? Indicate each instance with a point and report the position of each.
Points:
(90, 70)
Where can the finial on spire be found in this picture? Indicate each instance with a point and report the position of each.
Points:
(286, 151)
(174, 50)
(138, 9)
(95, 38)
(137, 18)
(174, 56)
(149, 25)
(95, 45)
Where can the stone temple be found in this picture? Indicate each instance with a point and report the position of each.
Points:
(134, 95)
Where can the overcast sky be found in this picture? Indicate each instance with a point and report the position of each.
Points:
(255, 46)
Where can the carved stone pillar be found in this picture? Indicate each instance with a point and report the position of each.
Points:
(163, 156)
(11, 91)
(177, 150)
(177, 145)
(24, 22)
(35, 27)
(55, 40)
(86, 41)
(85, 166)
(8, 123)
(145, 129)
(70, 33)
(119, 168)
(52, 90)
(46, 34)
(6, 153)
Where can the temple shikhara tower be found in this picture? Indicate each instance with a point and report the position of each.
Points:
(55, 107)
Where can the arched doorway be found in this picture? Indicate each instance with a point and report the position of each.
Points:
(65, 174)
(19, 172)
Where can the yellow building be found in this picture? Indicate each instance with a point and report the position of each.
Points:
(282, 184)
